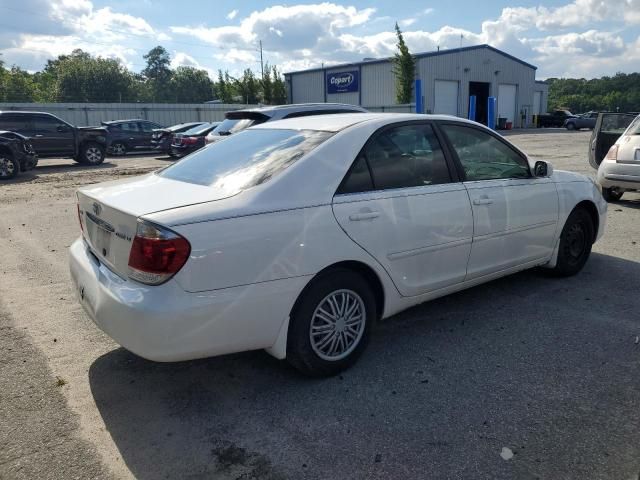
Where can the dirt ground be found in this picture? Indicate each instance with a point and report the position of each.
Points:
(544, 369)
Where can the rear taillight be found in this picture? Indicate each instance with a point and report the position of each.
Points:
(80, 218)
(612, 154)
(189, 140)
(157, 254)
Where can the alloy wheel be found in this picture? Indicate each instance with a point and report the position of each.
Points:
(93, 155)
(118, 149)
(337, 325)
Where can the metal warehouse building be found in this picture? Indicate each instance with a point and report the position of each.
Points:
(449, 78)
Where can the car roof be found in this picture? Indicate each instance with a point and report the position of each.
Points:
(340, 121)
(25, 112)
(301, 107)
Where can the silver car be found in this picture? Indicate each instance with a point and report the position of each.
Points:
(615, 152)
(239, 120)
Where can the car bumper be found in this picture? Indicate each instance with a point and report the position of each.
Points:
(164, 323)
(620, 175)
(28, 162)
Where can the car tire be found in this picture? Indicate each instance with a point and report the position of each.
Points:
(612, 194)
(92, 153)
(571, 126)
(331, 323)
(9, 166)
(576, 241)
(118, 149)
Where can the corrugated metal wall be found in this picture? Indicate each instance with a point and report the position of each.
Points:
(377, 82)
(543, 88)
(86, 114)
(307, 87)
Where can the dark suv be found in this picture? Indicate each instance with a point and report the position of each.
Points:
(16, 155)
(53, 137)
(130, 135)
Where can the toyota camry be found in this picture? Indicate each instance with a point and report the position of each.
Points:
(296, 236)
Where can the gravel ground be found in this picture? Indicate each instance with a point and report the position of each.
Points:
(526, 377)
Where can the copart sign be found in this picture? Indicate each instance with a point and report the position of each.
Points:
(341, 82)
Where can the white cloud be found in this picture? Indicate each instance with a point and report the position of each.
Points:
(232, 14)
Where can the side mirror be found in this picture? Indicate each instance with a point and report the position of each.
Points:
(542, 169)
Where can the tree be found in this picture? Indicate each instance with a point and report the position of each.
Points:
(279, 89)
(19, 86)
(620, 92)
(267, 86)
(404, 69)
(247, 87)
(224, 88)
(158, 73)
(190, 85)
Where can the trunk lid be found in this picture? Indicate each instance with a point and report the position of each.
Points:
(109, 212)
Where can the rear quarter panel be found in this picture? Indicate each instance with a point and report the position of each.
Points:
(266, 247)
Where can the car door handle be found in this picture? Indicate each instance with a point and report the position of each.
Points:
(364, 216)
(38, 135)
(484, 200)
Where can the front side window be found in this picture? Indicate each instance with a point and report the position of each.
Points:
(483, 156)
(47, 124)
(247, 159)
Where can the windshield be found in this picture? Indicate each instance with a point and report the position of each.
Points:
(247, 159)
(198, 130)
(235, 125)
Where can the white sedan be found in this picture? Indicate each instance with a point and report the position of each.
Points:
(296, 236)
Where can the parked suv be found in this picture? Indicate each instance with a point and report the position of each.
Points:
(555, 118)
(130, 135)
(238, 120)
(53, 137)
(16, 155)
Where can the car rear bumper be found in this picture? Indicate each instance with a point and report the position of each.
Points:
(164, 323)
(620, 175)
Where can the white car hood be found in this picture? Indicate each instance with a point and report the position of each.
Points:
(565, 176)
(152, 193)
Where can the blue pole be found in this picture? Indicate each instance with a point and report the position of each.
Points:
(418, 92)
(491, 113)
(472, 108)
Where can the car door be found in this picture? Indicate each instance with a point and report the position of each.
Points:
(515, 214)
(146, 133)
(130, 134)
(402, 203)
(52, 136)
(608, 129)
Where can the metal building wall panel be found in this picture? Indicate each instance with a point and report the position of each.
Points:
(307, 87)
(378, 84)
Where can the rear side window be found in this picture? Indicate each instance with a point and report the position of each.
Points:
(484, 157)
(234, 125)
(15, 123)
(399, 157)
(247, 159)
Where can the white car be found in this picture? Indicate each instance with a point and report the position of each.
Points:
(617, 135)
(296, 236)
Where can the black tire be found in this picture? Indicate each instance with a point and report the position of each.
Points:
(9, 166)
(92, 153)
(301, 353)
(118, 149)
(612, 194)
(576, 240)
(571, 126)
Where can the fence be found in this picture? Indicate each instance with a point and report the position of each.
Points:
(87, 114)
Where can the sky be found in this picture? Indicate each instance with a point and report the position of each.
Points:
(579, 38)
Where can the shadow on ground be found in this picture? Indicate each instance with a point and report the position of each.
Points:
(545, 367)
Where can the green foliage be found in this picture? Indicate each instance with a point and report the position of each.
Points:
(618, 93)
(190, 85)
(404, 69)
(81, 77)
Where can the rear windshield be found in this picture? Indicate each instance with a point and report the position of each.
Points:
(233, 125)
(634, 128)
(247, 159)
(198, 130)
